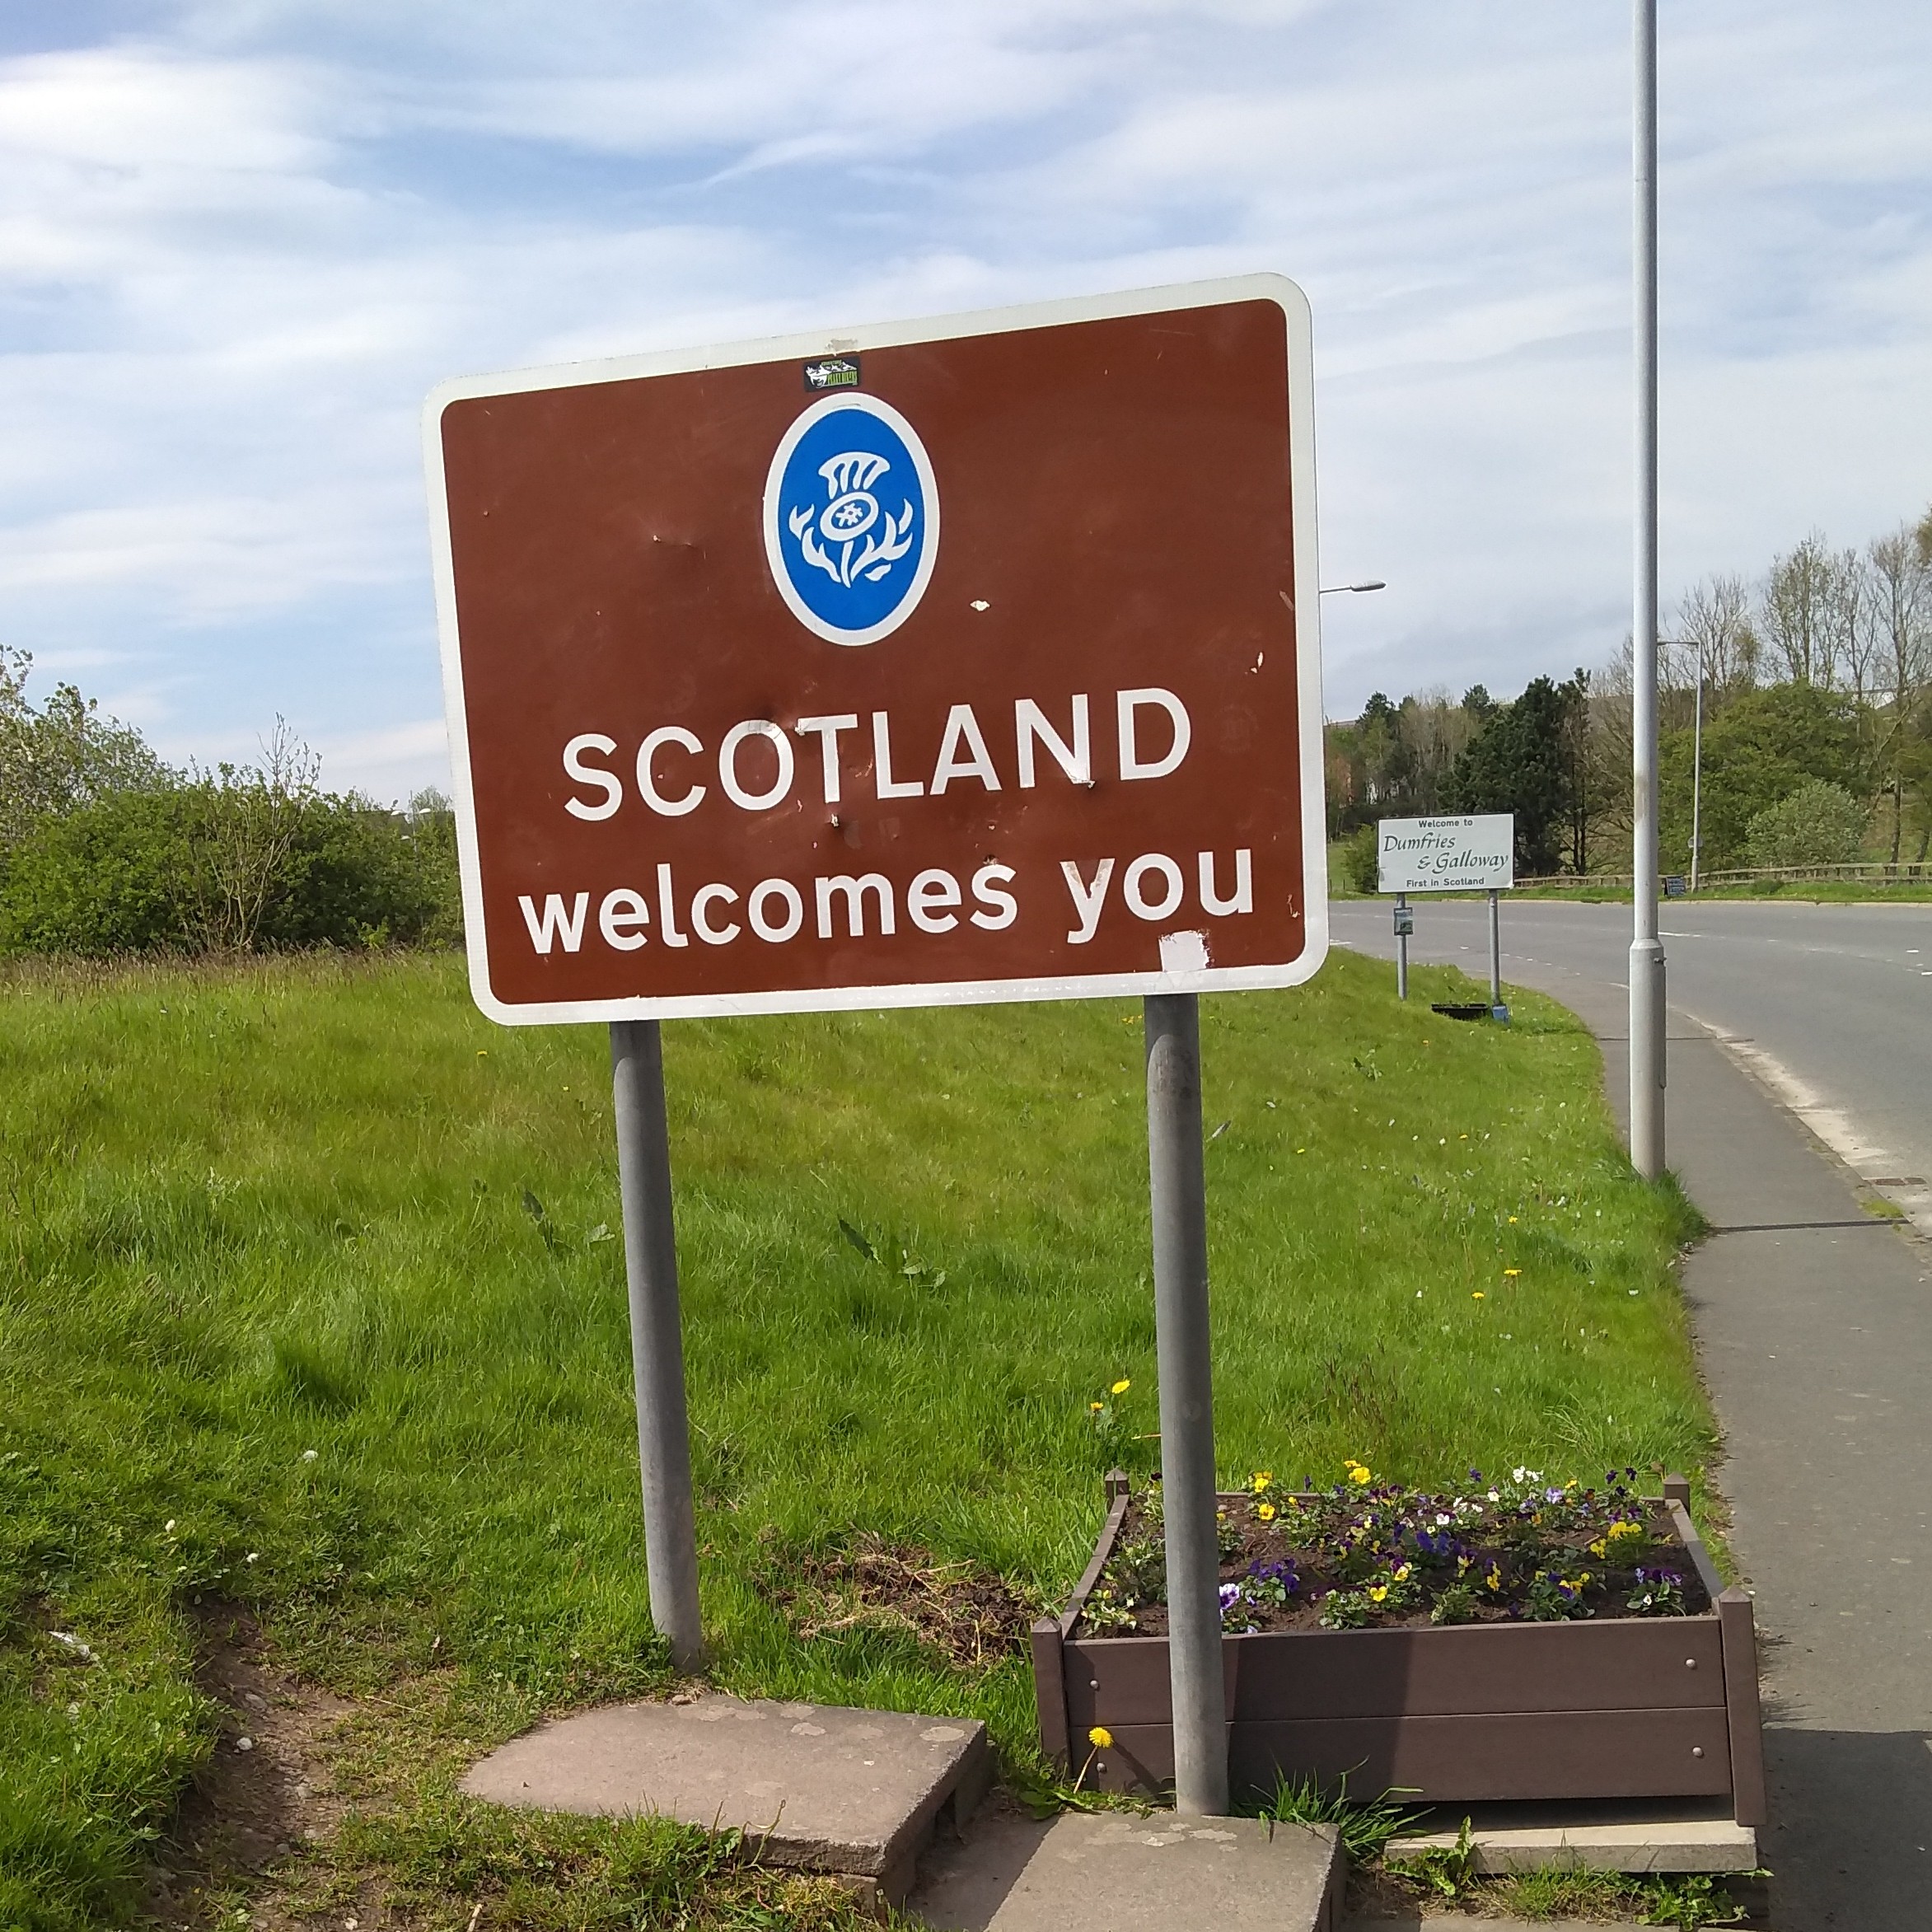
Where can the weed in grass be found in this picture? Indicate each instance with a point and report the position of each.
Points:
(282, 1330)
(1561, 1892)
(1689, 1902)
(1443, 1871)
(1366, 1825)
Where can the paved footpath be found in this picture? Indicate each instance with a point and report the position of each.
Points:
(1814, 1329)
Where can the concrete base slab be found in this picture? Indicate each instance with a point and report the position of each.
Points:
(818, 1786)
(1125, 1873)
(1673, 1845)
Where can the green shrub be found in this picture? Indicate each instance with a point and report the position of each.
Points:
(232, 863)
(1819, 824)
(1358, 860)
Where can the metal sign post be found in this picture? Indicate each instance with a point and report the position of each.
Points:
(933, 663)
(1495, 951)
(656, 1338)
(1405, 925)
(1178, 1190)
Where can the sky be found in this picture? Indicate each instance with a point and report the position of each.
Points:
(240, 241)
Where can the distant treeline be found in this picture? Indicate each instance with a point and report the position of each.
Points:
(104, 849)
(1816, 685)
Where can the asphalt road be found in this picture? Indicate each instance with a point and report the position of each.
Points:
(1829, 1006)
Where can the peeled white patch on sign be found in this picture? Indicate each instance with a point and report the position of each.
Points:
(1183, 953)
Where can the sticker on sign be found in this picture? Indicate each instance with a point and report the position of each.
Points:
(1446, 855)
(988, 671)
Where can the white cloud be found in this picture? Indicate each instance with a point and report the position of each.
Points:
(236, 252)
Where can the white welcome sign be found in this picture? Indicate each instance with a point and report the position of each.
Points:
(1446, 855)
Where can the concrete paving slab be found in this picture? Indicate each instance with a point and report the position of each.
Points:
(1678, 1845)
(1126, 1873)
(830, 1789)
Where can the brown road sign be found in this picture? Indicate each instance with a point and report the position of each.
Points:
(965, 660)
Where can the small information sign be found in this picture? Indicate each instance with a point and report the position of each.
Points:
(1446, 855)
(956, 660)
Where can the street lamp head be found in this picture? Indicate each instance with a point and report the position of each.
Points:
(1330, 590)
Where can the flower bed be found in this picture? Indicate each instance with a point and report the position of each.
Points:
(1520, 1639)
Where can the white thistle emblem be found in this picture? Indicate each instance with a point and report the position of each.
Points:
(859, 539)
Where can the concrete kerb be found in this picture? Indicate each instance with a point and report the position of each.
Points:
(1672, 1846)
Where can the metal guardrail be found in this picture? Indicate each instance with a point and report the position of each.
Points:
(1877, 872)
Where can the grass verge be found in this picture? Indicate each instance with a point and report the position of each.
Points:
(313, 1308)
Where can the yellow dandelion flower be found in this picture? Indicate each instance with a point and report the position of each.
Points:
(1479, 1296)
(1513, 1220)
(1094, 1408)
(1100, 1738)
(1120, 1387)
(1511, 1274)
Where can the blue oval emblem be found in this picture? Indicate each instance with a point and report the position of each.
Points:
(851, 519)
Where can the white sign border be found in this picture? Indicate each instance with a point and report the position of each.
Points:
(1278, 289)
(1494, 818)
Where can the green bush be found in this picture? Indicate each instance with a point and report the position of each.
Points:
(1358, 860)
(1819, 824)
(229, 863)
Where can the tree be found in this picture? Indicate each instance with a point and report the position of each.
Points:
(1794, 607)
(1756, 753)
(1901, 577)
(1716, 639)
(1522, 761)
(1819, 824)
(63, 755)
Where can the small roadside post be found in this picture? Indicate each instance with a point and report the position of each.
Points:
(1475, 853)
(736, 728)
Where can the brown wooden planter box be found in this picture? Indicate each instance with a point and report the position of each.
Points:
(1624, 1707)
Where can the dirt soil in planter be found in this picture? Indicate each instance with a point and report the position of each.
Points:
(1264, 1546)
(971, 1613)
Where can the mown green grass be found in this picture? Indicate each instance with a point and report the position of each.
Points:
(282, 1325)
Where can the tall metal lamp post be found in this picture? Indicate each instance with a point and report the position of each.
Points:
(1697, 773)
(1646, 968)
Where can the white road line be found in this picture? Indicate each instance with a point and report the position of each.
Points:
(1832, 1125)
